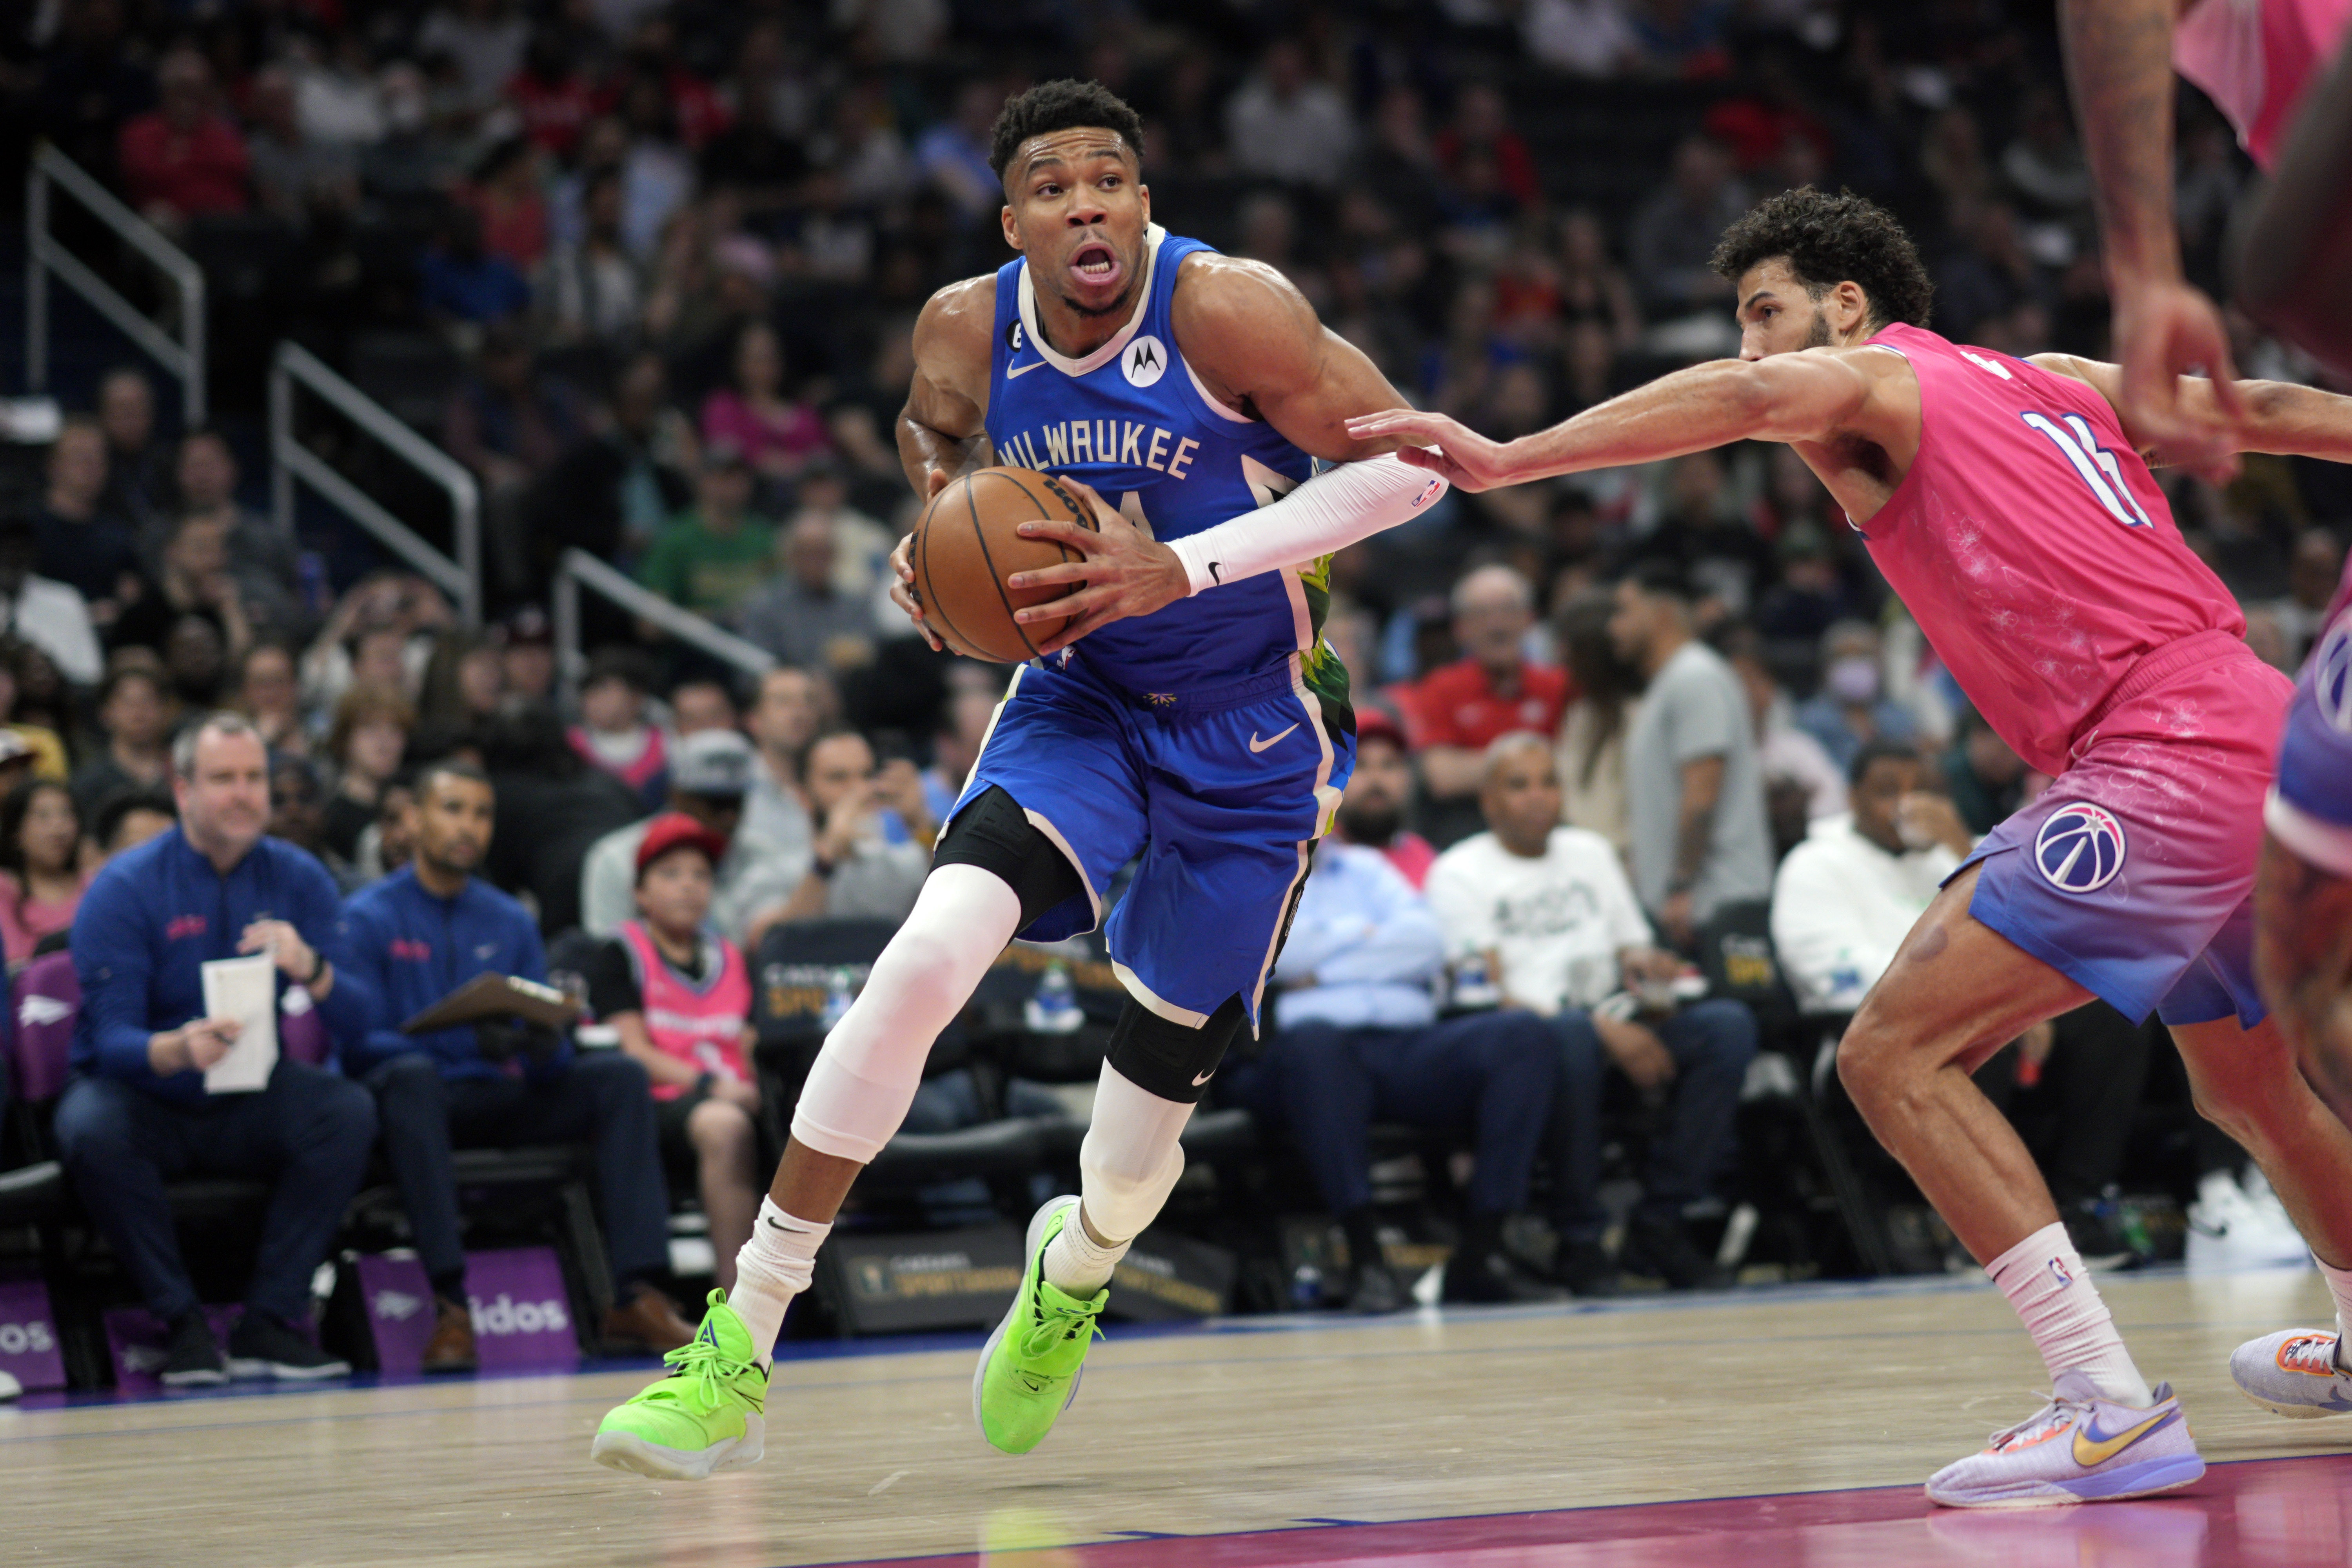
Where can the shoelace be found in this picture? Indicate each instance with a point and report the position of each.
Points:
(703, 1366)
(2055, 1414)
(1053, 1325)
(2314, 1353)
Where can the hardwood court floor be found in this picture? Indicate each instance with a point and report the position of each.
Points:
(1269, 1426)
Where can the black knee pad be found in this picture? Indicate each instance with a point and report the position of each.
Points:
(1171, 1060)
(994, 834)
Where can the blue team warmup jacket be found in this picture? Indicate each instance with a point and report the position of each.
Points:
(409, 948)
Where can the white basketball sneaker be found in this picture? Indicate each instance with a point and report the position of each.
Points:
(2079, 1447)
(2239, 1226)
(2296, 1372)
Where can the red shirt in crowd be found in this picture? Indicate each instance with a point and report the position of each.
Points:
(1458, 706)
(196, 170)
(554, 112)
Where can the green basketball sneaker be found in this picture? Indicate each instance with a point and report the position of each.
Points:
(705, 1416)
(1028, 1372)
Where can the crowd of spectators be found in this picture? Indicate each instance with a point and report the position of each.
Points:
(675, 251)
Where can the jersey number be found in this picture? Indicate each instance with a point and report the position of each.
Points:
(2075, 441)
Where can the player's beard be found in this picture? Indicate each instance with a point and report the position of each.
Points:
(1118, 307)
(1819, 338)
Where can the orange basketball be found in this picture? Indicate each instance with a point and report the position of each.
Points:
(966, 546)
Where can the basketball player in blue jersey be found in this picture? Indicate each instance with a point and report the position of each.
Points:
(1191, 714)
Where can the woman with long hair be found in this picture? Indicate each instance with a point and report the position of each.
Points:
(775, 433)
(41, 877)
(1592, 748)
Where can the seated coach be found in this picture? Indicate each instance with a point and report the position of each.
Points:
(410, 939)
(138, 1113)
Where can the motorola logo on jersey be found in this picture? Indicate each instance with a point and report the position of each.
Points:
(2331, 675)
(2080, 849)
(1145, 361)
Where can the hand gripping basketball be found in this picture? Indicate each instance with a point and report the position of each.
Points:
(1124, 573)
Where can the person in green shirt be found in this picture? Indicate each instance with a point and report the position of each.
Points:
(711, 558)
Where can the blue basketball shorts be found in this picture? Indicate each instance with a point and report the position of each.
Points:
(2133, 873)
(1222, 792)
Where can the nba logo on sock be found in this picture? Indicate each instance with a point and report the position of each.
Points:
(2058, 1272)
(2080, 849)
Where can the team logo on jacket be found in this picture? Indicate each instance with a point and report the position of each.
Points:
(1144, 361)
(2331, 675)
(2080, 849)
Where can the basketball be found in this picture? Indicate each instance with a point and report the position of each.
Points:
(967, 543)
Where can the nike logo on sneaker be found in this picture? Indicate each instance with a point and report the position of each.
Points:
(1258, 745)
(2092, 1451)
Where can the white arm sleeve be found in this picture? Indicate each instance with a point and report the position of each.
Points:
(1335, 509)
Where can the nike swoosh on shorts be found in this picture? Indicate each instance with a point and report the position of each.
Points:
(1258, 745)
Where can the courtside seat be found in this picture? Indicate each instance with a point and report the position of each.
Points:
(32, 1194)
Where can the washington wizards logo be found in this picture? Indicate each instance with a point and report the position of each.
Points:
(2080, 849)
(2331, 676)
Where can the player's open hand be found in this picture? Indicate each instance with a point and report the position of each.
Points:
(902, 589)
(2165, 330)
(1124, 573)
(1467, 459)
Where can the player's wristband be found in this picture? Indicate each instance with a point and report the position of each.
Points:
(1335, 509)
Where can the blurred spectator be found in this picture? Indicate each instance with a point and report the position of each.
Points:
(702, 702)
(338, 101)
(1379, 799)
(41, 879)
(296, 815)
(802, 616)
(783, 721)
(289, 169)
(1285, 123)
(1694, 800)
(1495, 688)
(1582, 37)
(612, 735)
(269, 693)
(1594, 289)
(510, 423)
(138, 1114)
(81, 544)
(1359, 1038)
(135, 711)
(680, 1000)
(383, 630)
(590, 290)
(196, 583)
(1396, 169)
(1674, 233)
(2313, 568)
(387, 844)
(775, 433)
(464, 685)
(366, 741)
(553, 98)
(1852, 709)
(612, 493)
(2045, 165)
(526, 654)
(853, 872)
(1723, 559)
(48, 615)
(710, 776)
(1985, 777)
(1810, 597)
(413, 158)
(91, 79)
(260, 556)
(953, 153)
(460, 281)
(46, 747)
(185, 158)
(1802, 784)
(1482, 126)
(485, 37)
(712, 558)
(569, 805)
(410, 939)
(128, 819)
(859, 150)
(1547, 911)
(138, 466)
(1846, 896)
(1591, 751)
(505, 194)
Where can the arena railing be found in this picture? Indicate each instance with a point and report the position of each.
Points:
(579, 569)
(461, 577)
(183, 356)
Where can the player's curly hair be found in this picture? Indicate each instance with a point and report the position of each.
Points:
(1828, 240)
(1060, 106)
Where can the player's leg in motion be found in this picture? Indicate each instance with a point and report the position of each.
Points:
(1956, 993)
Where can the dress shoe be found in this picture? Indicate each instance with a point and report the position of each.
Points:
(451, 1348)
(649, 1319)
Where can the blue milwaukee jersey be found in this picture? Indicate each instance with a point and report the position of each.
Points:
(1132, 420)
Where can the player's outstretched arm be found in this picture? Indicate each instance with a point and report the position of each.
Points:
(2119, 63)
(1805, 396)
(942, 430)
(2278, 415)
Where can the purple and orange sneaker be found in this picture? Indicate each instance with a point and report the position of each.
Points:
(2299, 1373)
(2080, 1448)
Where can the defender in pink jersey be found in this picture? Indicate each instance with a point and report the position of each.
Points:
(2012, 508)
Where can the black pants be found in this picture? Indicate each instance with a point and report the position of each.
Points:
(602, 1101)
(1492, 1072)
(1711, 1044)
(2078, 1118)
(308, 1134)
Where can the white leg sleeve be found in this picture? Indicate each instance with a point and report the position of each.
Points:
(1129, 1160)
(865, 1077)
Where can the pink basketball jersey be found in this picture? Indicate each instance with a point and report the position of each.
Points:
(2255, 57)
(2032, 546)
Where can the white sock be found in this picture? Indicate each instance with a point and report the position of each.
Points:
(2046, 1282)
(775, 1266)
(1076, 1266)
(2339, 1285)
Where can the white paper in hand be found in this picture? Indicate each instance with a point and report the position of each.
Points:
(244, 989)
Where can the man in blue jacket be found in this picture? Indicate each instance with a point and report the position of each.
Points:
(411, 938)
(137, 1112)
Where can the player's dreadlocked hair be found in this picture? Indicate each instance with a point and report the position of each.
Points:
(1061, 106)
(1827, 241)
